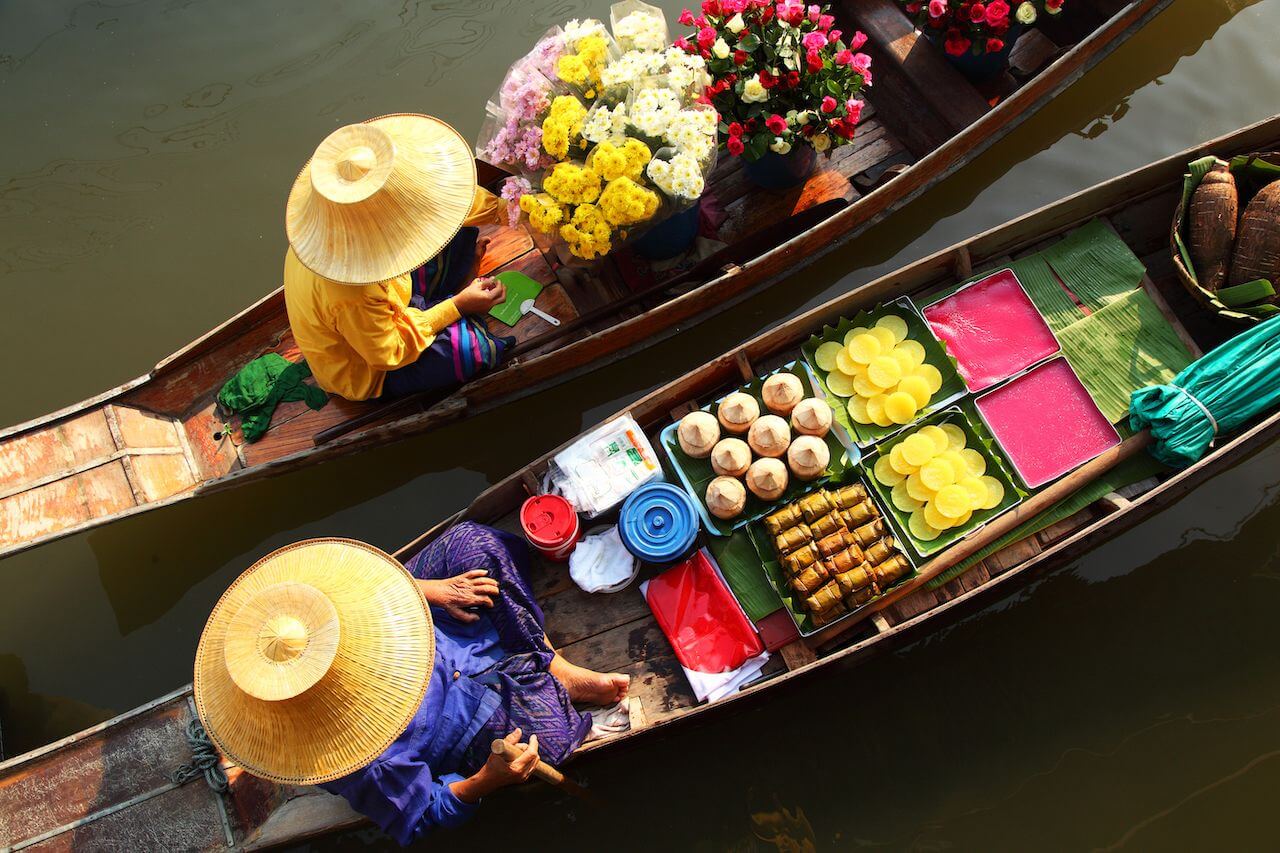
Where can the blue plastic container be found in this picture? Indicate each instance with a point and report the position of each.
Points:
(659, 523)
(671, 237)
(776, 171)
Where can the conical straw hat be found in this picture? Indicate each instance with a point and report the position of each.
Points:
(314, 661)
(380, 199)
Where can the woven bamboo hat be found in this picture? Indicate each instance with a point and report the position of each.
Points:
(380, 199)
(314, 661)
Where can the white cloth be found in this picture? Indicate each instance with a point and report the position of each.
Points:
(610, 721)
(601, 563)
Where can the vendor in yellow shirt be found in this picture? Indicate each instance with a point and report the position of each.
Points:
(380, 277)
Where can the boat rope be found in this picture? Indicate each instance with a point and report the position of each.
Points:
(204, 760)
(1192, 397)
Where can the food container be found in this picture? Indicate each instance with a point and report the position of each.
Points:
(866, 435)
(1046, 422)
(659, 523)
(551, 525)
(992, 329)
(977, 438)
(695, 474)
(777, 576)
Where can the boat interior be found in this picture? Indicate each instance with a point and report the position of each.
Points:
(162, 436)
(619, 633)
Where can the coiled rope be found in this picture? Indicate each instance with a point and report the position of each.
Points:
(204, 760)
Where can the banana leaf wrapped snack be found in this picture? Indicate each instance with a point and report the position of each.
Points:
(836, 551)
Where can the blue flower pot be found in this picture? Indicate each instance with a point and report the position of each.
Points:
(669, 238)
(979, 66)
(782, 171)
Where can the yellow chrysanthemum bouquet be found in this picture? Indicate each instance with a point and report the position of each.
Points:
(604, 131)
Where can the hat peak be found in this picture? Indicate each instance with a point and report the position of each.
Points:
(283, 638)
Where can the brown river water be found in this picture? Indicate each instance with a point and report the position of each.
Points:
(1130, 700)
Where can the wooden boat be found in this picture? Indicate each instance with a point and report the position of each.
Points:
(160, 438)
(112, 780)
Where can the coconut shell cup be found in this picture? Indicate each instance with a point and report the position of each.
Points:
(731, 457)
(769, 436)
(698, 433)
(808, 457)
(812, 417)
(737, 412)
(767, 479)
(781, 392)
(726, 497)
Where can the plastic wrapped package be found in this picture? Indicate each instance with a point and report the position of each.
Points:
(599, 470)
(716, 644)
(637, 25)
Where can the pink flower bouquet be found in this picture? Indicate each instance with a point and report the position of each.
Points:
(781, 73)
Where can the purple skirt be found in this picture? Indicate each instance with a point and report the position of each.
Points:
(530, 697)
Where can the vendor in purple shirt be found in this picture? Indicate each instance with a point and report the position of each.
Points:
(496, 676)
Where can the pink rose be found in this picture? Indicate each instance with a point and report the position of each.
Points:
(776, 124)
(997, 12)
(844, 57)
(732, 7)
(858, 40)
(853, 107)
(825, 22)
(684, 44)
(791, 11)
(813, 61)
(861, 61)
(706, 37)
(937, 8)
(814, 14)
(711, 7)
(834, 36)
(686, 18)
(814, 40)
(828, 104)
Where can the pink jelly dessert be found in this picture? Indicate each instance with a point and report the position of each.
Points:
(1046, 422)
(992, 329)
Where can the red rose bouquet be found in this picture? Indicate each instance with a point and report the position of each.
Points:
(781, 75)
(974, 26)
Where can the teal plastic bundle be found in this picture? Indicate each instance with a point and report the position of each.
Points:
(1211, 397)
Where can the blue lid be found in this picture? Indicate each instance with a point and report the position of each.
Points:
(658, 523)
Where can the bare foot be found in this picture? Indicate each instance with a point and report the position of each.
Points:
(587, 685)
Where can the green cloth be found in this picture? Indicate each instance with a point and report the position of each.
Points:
(263, 384)
(740, 564)
(1221, 391)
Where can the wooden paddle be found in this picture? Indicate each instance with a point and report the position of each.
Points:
(543, 770)
(997, 528)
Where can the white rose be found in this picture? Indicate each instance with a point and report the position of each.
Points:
(821, 142)
(720, 49)
(803, 118)
(1026, 13)
(753, 92)
(780, 145)
(735, 24)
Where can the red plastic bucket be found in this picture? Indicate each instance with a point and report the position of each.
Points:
(550, 523)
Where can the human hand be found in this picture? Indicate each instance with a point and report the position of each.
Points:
(470, 589)
(480, 295)
(499, 773)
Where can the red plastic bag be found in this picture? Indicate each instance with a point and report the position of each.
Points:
(701, 618)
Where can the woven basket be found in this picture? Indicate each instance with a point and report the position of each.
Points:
(1246, 303)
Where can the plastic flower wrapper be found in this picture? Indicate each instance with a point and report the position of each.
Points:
(587, 49)
(680, 175)
(782, 74)
(511, 134)
(638, 26)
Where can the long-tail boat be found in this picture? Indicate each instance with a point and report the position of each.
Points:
(161, 438)
(112, 782)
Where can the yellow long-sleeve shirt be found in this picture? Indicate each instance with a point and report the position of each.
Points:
(352, 335)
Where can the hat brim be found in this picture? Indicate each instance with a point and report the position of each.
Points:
(378, 678)
(396, 230)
